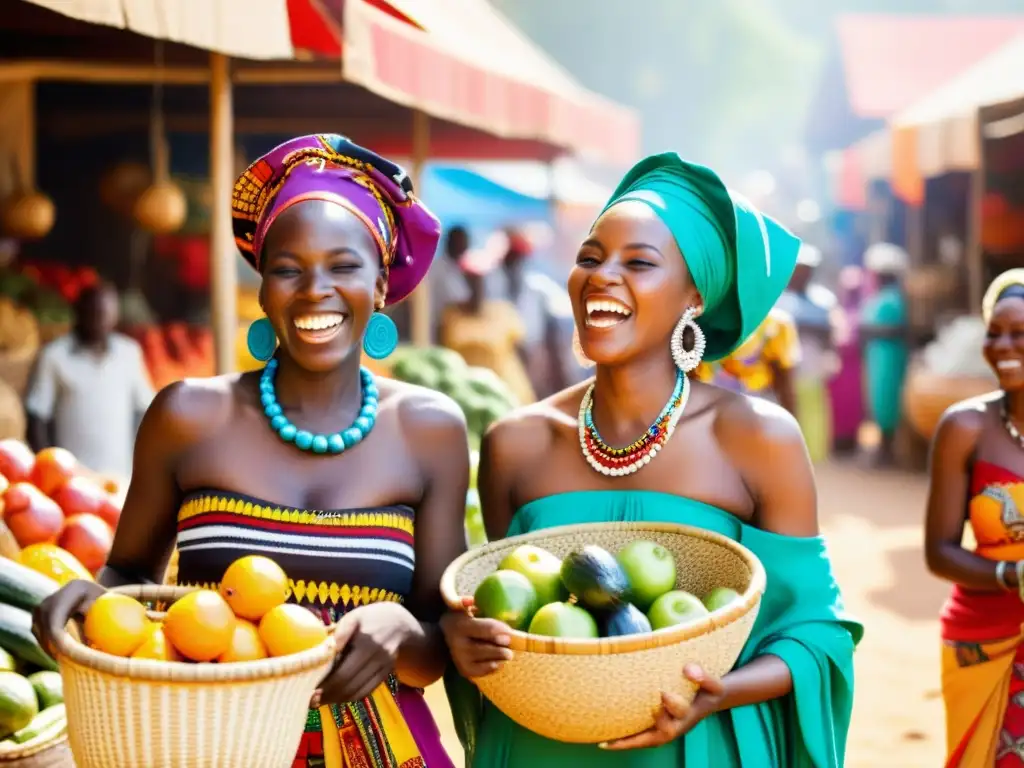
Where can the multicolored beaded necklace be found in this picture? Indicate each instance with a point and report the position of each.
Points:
(615, 462)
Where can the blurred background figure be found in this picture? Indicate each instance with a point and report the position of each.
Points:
(883, 338)
(764, 364)
(543, 307)
(448, 284)
(90, 388)
(846, 387)
(488, 332)
(810, 305)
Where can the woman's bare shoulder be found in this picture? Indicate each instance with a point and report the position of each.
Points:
(530, 431)
(962, 423)
(188, 410)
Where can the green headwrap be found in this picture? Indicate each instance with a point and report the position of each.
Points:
(740, 260)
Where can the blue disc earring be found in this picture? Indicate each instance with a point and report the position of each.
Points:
(261, 339)
(381, 336)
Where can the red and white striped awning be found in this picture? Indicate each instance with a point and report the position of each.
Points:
(462, 61)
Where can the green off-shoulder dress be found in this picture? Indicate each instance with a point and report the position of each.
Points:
(802, 620)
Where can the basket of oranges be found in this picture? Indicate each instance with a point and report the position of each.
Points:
(212, 678)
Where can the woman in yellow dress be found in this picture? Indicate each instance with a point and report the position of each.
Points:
(763, 365)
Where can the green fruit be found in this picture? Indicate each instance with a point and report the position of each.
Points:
(543, 570)
(563, 620)
(651, 570)
(595, 577)
(7, 662)
(719, 597)
(675, 607)
(49, 688)
(506, 596)
(18, 703)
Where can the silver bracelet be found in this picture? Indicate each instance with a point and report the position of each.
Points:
(1001, 567)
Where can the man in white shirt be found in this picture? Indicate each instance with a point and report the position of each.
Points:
(90, 388)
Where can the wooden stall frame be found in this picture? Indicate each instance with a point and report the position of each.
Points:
(220, 77)
(986, 117)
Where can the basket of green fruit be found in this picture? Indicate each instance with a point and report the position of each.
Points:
(604, 616)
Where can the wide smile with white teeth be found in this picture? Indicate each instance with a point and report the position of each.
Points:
(320, 326)
(605, 313)
(1008, 365)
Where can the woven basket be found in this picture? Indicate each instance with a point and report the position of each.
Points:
(52, 753)
(589, 691)
(128, 713)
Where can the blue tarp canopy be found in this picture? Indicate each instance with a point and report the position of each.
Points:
(457, 195)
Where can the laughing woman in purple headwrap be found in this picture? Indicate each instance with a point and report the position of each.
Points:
(371, 474)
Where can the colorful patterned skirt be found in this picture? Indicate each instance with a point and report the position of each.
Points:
(393, 728)
(983, 680)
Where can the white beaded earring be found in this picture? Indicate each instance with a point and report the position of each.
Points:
(688, 359)
(577, 350)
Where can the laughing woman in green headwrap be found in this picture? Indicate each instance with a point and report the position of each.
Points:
(675, 267)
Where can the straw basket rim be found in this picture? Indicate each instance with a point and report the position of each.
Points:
(524, 641)
(73, 650)
(23, 751)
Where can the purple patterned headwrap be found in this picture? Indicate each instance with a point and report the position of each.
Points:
(330, 167)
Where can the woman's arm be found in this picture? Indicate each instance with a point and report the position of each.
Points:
(768, 449)
(437, 436)
(949, 484)
(496, 474)
(147, 528)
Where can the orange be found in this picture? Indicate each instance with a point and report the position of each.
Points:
(246, 644)
(156, 646)
(290, 628)
(200, 625)
(116, 624)
(253, 585)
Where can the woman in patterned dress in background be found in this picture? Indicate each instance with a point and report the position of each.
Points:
(977, 475)
(763, 364)
(355, 487)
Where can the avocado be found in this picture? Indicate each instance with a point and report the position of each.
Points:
(595, 577)
(627, 619)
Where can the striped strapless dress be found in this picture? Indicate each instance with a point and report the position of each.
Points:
(336, 560)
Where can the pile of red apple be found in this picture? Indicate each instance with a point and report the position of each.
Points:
(51, 498)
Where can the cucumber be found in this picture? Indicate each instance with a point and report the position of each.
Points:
(16, 636)
(44, 721)
(22, 587)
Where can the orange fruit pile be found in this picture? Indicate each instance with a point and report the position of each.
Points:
(246, 619)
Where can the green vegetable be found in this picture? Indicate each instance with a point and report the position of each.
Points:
(18, 704)
(16, 636)
(22, 587)
(53, 718)
(49, 688)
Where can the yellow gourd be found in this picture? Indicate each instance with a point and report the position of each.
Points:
(50, 560)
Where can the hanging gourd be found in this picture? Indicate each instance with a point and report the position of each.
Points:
(162, 207)
(25, 213)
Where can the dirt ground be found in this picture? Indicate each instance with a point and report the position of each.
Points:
(873, 521)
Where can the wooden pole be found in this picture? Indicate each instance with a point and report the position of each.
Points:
(974, 251)
(419, 306)
(223, 253)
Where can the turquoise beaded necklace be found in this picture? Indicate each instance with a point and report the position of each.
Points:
(319, 443)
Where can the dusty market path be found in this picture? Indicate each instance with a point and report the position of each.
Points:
(873, 523)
